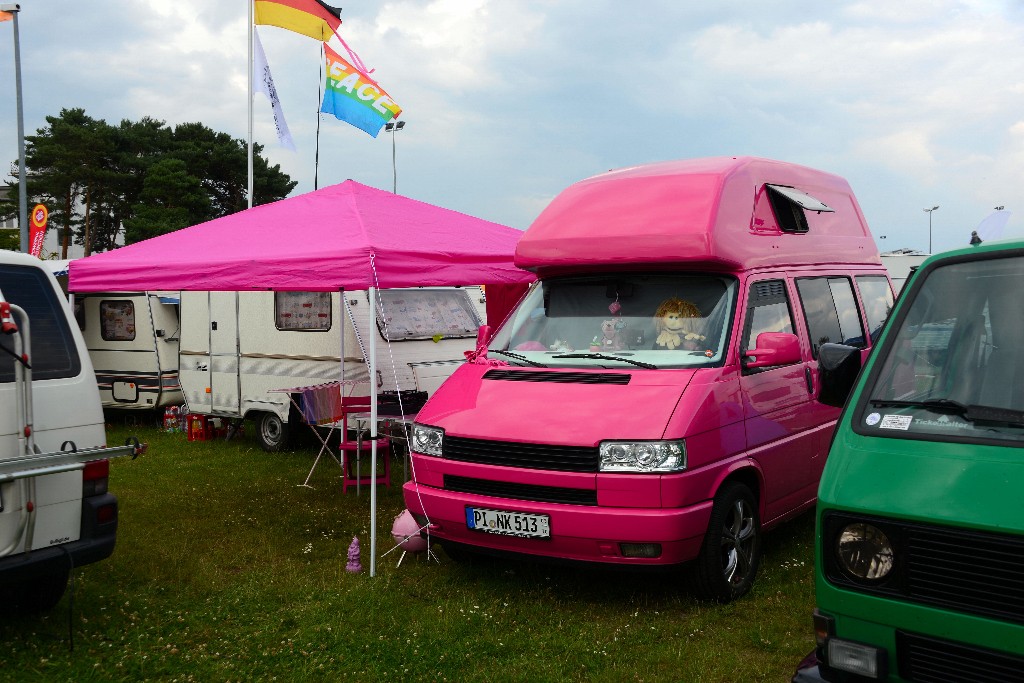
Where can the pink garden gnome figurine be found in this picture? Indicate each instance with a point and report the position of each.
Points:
(353, 565)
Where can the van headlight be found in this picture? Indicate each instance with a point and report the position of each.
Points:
(642, 456)
(864, 552)
(427, 440)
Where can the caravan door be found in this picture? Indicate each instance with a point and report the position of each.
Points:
(209, 352)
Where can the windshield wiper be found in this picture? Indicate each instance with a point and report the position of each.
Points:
(601, 356)
(972, 413)
(518, 357)
(936, 405)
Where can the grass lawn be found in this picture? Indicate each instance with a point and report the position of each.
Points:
(227, 570)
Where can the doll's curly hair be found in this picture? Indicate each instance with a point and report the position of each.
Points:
(684, 309)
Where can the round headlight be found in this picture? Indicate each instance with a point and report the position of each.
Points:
(648, 456)
(864, 551)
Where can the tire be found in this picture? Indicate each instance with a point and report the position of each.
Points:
(271, 432)
(731, 552)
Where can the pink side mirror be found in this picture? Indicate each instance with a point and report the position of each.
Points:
(483, 335)
(774, 348)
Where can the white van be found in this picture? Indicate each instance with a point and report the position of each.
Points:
(55, 510)
(132, 339)
(239, 349)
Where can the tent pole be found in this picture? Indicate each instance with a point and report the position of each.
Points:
(373, 438)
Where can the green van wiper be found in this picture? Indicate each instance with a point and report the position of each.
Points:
(1009, 417)
(602, 356)
(936, 405)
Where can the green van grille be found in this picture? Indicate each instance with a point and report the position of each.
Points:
(930, 660)
(968, 571)
(972, 572)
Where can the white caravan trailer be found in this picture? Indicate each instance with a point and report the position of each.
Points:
(900, 264)
(132, 339)
(55, 510)
(238, 349)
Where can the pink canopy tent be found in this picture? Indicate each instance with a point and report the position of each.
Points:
(346, 236)
(343, 237)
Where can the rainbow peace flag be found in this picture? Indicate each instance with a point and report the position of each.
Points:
(354, 97)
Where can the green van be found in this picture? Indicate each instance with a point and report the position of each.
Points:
(920, 516)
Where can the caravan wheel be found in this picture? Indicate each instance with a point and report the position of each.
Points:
(271, 432)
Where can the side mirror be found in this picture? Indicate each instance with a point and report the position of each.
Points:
(838, 367)
(774, 348)
(483, 335)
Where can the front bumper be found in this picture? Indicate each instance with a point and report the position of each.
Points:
(578, 532)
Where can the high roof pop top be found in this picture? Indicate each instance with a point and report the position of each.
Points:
(722, 213)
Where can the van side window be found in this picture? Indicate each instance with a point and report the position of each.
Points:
(830, 310)
(767, 311)
(117, 320)
(877, 297)
(54, 354)
(307, 311)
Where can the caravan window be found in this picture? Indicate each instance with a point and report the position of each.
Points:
(426, 313)
(308, 311)
(117, 320)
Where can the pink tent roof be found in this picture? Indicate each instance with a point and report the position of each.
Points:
(346, 236)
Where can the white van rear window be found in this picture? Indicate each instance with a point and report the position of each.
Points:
(53, 353)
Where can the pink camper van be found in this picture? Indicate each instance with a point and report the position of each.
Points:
(652, 400)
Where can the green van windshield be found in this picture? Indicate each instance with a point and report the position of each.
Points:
(955, 368)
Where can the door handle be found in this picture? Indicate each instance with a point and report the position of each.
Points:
(810, 381)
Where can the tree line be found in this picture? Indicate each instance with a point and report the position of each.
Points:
(138, 179)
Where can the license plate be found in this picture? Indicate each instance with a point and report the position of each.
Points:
(508, 523)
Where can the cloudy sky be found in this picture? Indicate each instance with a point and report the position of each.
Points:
(917, 103)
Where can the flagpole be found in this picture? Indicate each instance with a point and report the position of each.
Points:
(316, 156)
(249, 80)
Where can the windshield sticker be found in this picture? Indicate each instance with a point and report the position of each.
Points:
(872, 419)
(944, 422)
(896, 422)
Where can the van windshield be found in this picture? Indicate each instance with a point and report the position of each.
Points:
(955, 368)
(620, 321)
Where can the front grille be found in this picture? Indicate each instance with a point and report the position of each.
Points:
(558, 377)
(967, 571)
(515, 454)
(972, 572)
(929, 660)
(504, 489)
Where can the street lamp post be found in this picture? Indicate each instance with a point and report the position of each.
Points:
(929, 212)
(14, 9)
(394, 128)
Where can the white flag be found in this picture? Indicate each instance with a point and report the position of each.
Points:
(265, 83)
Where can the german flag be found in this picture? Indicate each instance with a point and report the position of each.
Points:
(311, 18)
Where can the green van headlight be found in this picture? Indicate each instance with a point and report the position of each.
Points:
(865, 552)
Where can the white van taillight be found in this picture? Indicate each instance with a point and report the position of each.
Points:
(94, 478)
